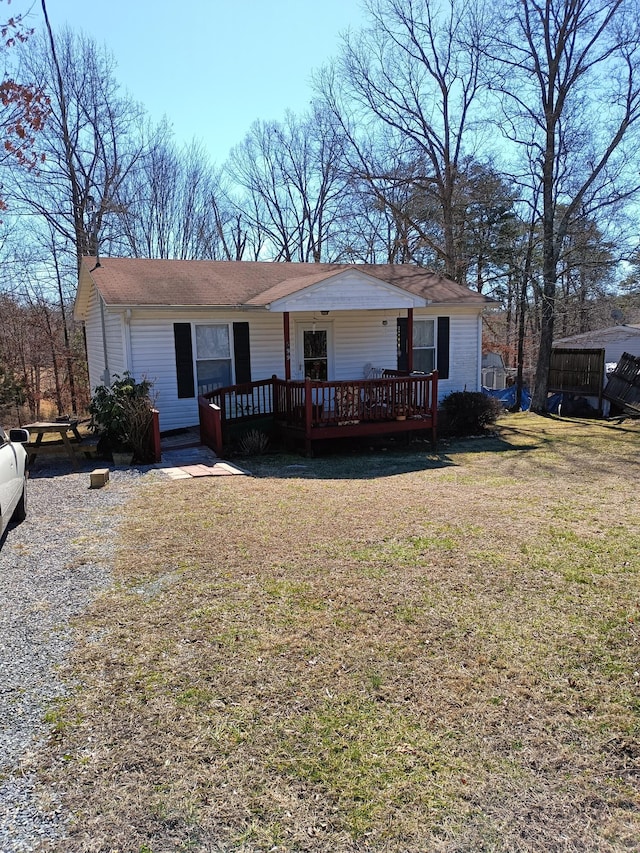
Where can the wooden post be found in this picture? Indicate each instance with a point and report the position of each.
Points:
(287, 346)
(155, 436)
(434, 408)
(217, 429)
(308, 402)
(210, 424)
(410, 340)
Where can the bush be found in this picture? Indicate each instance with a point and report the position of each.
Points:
(469, 412)
(254, 442)
(12, 390)
(122, 413)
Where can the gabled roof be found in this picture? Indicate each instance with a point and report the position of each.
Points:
(623, 331)
(130, 282)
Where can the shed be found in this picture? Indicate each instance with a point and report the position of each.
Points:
(596, 354)
(614, 340)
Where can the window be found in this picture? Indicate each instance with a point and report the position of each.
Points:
(426, 356)
(213, 357)
(424, 346)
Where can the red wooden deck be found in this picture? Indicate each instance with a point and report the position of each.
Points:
(311, 411)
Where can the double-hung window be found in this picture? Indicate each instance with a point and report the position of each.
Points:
(213, 357)
(424, 345)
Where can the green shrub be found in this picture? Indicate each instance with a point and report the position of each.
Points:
(469, 412)
(122, 414)
(254, 442)
(12, 389)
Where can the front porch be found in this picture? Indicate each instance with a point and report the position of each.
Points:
(308, 411)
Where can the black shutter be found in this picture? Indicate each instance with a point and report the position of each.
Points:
(442, 362)
(241, 352)
(403, 343)
(184, 359)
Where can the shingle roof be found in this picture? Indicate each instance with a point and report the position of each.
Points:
(623, 331)
(138, 281)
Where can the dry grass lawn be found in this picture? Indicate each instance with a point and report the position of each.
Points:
(399, 651)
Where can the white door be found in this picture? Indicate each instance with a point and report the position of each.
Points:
(314, 351)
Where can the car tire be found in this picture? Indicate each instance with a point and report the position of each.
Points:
(20, 512)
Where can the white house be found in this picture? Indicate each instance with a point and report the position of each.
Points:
(191, 326)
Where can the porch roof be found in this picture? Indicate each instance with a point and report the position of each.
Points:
(130, 282)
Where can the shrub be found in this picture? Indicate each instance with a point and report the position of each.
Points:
(122, 413)
(254, 442)
(12, 390)
(469, 412)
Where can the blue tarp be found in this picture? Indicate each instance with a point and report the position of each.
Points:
(507, 397)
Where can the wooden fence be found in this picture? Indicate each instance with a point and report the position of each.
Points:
(623, 385)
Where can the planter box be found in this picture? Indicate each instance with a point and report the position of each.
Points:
(122, 459)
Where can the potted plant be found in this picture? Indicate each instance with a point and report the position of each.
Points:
(123, 414)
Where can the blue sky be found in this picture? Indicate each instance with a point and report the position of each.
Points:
(213, 66)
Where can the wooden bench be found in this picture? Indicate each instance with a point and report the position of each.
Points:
(87, 446)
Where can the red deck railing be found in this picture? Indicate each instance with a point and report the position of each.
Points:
(316, 410)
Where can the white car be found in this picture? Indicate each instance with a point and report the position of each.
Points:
(13, 477)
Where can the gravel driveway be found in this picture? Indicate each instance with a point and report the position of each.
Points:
(50, 567)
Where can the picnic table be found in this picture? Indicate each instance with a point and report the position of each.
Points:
(66, 430)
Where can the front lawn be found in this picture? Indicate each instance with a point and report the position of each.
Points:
(396, 651)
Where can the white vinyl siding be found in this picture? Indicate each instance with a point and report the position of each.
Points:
(266, 341)
(360, 339)
(115, 344)
(101, 324)
(95, 347)
(153, 354)
(348, 291)
(465, 345)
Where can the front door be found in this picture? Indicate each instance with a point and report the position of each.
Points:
(315, 352)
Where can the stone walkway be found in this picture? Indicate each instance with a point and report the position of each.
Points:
(182, 463)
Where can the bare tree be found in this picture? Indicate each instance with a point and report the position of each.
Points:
(23, 106)
(42, 344)
(568, 74)
(408, 84)
(173, 205)
(293, 184)
(90, 143)
(630, 285)
(377, 228)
